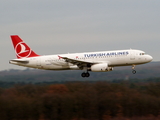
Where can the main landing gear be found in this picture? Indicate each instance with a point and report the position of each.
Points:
(85, 74)
(133, 70)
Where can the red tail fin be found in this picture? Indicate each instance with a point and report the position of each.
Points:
(21, 48)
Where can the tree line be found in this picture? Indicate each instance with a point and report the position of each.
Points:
(81, 101)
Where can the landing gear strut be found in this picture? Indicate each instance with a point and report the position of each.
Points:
(85, 74)
(133, 70)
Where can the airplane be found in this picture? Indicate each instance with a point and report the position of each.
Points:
(102, 61)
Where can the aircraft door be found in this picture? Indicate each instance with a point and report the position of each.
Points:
(132, 56)
(38, 62)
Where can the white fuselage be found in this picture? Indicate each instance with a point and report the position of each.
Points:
(112, 58)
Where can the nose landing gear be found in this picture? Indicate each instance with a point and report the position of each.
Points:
(133, 70)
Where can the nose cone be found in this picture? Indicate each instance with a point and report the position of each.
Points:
(149, 58)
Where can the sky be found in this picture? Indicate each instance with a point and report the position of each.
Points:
(72, 26)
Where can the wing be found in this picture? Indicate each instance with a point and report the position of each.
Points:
(79, 63)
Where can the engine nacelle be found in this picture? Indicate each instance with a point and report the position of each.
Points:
(102, 67)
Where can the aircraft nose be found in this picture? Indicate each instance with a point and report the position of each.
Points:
(150, 58)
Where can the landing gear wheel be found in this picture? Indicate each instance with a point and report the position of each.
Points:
(134, 71)
(85, 74)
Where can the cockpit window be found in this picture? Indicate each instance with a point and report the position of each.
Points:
(142, 53)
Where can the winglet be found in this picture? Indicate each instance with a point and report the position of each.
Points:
(22, 50)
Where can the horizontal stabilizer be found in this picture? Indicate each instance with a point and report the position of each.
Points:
(19, 61)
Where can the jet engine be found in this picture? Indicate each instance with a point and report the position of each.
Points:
(101, 67)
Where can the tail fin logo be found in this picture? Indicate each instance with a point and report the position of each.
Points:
(22, 50)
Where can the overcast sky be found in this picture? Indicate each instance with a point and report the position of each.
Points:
(62, 26)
